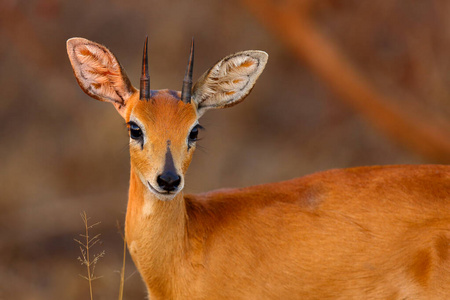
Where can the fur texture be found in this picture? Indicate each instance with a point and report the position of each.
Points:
(361, 233)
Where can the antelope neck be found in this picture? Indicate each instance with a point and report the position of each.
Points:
(150, 218)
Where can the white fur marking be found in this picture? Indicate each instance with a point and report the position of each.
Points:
(147, 208)
(132, 247)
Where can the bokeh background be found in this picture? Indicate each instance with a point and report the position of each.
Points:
(348, 83)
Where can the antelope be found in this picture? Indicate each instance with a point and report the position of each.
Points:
(379, 232)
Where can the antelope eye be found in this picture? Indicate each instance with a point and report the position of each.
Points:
(194, 134)
(135, 131)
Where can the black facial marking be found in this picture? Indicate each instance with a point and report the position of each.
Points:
(169, 165)
(174, 94)
(169, 180)
(153, 93)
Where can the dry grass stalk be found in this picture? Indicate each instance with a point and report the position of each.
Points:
(122, 271)
(86, 244)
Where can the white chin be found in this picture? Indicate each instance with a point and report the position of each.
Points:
(164, 197)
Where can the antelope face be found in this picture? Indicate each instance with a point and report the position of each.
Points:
(163, 133)
(163, 125)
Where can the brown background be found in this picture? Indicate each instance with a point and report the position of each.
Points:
(63, 153)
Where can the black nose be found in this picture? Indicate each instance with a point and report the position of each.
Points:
(168, 181)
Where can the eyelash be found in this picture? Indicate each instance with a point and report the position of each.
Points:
(135, 131)
(193, 135)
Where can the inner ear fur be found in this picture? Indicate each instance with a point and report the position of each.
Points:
(229, 81)
(99, 73)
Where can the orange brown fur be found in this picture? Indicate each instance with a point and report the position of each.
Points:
(360, 233)
(364, 233)
(342, 234)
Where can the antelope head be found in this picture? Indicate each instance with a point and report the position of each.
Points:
(163, 124)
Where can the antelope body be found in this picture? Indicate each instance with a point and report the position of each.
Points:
(361, 233)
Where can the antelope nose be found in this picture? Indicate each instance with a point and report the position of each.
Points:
(168, 181)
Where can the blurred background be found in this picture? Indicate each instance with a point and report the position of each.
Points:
(348, 83)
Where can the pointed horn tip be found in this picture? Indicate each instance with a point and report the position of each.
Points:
(191, 58)
(145, 60)
(192, 45)
(145, 77)
(187, 82)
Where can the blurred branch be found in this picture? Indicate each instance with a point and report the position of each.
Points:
(291, 22)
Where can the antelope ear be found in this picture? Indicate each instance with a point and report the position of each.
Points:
(229, 81)
(99, 73)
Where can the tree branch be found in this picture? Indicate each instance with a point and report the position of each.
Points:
(291, 23)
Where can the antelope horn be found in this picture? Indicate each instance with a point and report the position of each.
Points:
(144, 92)
(187, 82)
